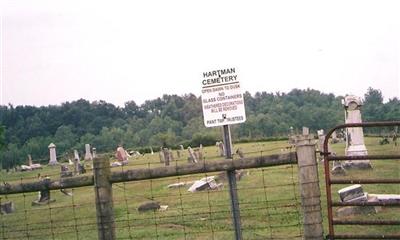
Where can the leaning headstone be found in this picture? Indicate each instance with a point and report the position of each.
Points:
(149, 205)
(351, 192)
(151, 151)
(7, 207)
(338, 168)
(88, 154)
(192, 156)
(207, 183)
(53, 154)
(355, 137)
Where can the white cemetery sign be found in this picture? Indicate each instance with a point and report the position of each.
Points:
(222, 98)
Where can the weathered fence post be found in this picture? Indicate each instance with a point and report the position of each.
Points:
(104, 199)
(309, 188)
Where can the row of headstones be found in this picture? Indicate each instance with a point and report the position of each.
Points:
(195, 155)
(89, 154)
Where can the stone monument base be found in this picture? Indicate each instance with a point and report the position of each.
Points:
(357, 150)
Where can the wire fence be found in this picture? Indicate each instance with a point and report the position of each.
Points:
(160, 207)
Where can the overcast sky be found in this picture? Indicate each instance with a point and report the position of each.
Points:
(117, 51)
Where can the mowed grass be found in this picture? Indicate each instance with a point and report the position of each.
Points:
(269, 202)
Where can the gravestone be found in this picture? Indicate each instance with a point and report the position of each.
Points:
(240, 152)
(171, 155)
(121, 154)
(149, 205)
(29, 160)
(88, 154)
(151, 151)
(178, 153)
(221, 149)
(355, 137)
(94, 153)
(182, 148)
(7, 207)
(306, 131)
(199, 154)
(161, 155)
(76, 156)
(53, 154)
(44, 195)
(192, 156)
(65, 172)
(166, 156)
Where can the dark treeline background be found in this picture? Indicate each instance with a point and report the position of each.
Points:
(170, 120)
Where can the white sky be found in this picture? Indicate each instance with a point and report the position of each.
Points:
(117, 51)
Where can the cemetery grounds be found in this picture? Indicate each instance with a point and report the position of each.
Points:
(269, 201)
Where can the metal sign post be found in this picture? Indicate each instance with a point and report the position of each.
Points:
(232, 185)
(223, 104)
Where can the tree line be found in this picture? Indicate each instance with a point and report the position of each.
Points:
(169, 121)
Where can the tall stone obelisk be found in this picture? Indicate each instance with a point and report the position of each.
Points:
(355, 145)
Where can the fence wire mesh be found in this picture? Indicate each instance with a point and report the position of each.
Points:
(269, 202)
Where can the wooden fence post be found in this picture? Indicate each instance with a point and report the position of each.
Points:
(104, 199)
(309, 188)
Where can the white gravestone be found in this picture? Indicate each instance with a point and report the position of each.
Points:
(94, 153)
(88, 154)
(355, 137)
(76, 156)
(53, 155)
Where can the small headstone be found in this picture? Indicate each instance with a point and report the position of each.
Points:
(171, 155)
(240, 152)
(204, 184)
(7, 207)
(350, 192)
(53, 154)
(199, 154)
(94, 153)
(221, 149)
(29, 160)
(166, 156)
(182, 148)
(338, 168)
(76, 156)
(151, 151)
(306, 131)
(192, 156)
(64, 172)
(161, 155)
(88, 154)
(44, 195)
(121, 154)
(150, 205)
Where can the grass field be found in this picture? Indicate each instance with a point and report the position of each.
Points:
(269, 202)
